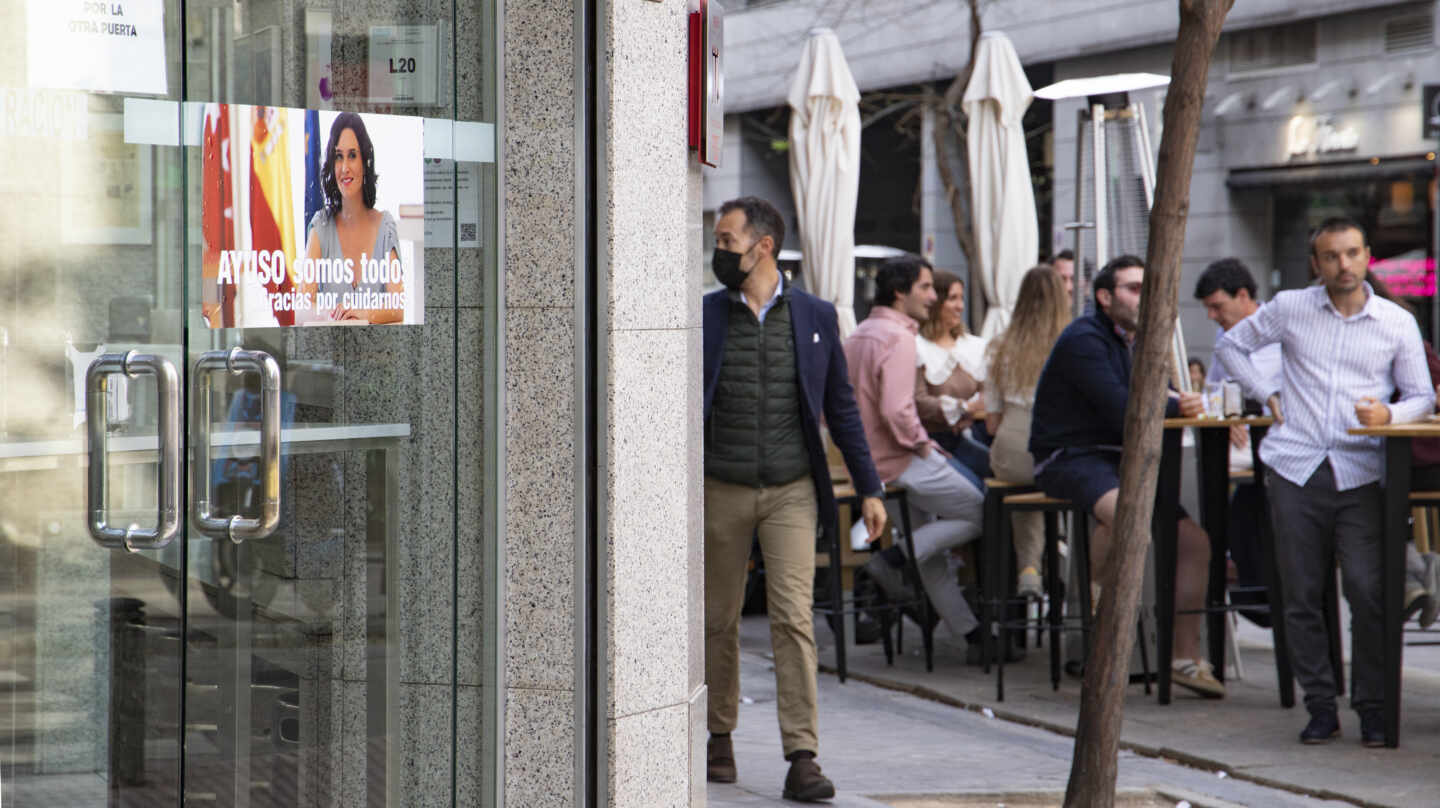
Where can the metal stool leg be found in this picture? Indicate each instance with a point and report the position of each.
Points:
(837, 605)
(996, 612)
(1056, 611)
(927, 632)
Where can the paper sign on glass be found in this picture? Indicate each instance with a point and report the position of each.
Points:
(115, 46)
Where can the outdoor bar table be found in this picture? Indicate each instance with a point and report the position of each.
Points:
(1397, 439)
(1214, 479)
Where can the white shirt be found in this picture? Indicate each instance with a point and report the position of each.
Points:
(1328, 362)
(769, 304)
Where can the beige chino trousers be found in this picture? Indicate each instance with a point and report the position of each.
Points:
(785, 518)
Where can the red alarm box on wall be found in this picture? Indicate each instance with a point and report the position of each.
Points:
(707, 81)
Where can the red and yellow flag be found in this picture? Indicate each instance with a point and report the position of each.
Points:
(217, 211)
(272, 206)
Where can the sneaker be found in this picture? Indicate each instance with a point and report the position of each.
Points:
(1432, 587)
(804, 782)
(1324, 727)
(1197, 675)
(720, 759)
(1418, 602)
(1029, 584)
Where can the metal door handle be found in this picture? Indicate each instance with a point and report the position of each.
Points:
(97, 386)
(237, 528)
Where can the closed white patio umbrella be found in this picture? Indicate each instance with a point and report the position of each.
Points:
(1003, 200)
(825, 170)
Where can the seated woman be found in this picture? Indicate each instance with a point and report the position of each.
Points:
(1016, 357)
(951, 371)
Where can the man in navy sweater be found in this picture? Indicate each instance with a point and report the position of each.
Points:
(1076, 438)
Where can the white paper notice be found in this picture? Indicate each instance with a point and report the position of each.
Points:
(404, 64)
(114, 46)
(441, 195)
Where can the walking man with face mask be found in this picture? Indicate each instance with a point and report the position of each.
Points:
(773, 368)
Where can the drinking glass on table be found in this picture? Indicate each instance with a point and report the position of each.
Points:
(1214, 400)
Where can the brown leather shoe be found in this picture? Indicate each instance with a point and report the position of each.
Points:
(805, 783)
(719, 759)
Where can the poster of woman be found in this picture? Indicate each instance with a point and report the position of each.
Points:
(311, 218)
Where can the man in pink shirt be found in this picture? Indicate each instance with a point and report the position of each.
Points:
(881, 357)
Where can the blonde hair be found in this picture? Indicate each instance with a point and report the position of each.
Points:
(1041, 313)
(934, 322)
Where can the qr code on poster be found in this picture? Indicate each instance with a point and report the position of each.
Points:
(467, 232)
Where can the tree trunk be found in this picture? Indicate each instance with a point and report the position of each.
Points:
(1097, 735)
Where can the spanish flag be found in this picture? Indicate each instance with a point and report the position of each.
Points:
(217, 213)
(272, 206)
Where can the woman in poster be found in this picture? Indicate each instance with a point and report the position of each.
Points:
(349, 228)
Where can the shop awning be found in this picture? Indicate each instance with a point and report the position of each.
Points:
(1328, 173)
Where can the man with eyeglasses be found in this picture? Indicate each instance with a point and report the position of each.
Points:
(1345, 354)
(1077, 436)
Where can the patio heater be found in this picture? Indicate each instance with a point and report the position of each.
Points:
(1115, 181)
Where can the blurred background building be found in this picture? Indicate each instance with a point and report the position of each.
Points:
(1313, 110)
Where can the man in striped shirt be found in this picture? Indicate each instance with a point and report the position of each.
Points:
(1346, 353)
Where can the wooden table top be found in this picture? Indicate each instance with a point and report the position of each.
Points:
(1215, 423)
(1421, 429)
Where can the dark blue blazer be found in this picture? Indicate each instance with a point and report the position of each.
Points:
(824, 387)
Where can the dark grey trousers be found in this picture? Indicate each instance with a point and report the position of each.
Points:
(1314, 525)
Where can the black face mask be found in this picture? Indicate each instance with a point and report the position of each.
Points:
(726, 266)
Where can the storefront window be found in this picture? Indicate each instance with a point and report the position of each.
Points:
(1398, 215)
(1273, 47)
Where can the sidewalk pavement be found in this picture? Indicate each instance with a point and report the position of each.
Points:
(885, 747)
(1248, 735)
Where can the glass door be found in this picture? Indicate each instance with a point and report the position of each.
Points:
(320, 619)
(92, 370)
(324, 655)
(241, 306)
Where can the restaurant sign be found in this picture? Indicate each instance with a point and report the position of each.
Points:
(1309, 136)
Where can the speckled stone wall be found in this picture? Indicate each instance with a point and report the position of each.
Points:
(540, 200)
(652, 235)
(650, 238)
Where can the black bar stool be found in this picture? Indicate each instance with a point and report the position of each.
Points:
(995, 566)
(1054, 620)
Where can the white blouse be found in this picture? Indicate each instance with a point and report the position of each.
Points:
(939, 363)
